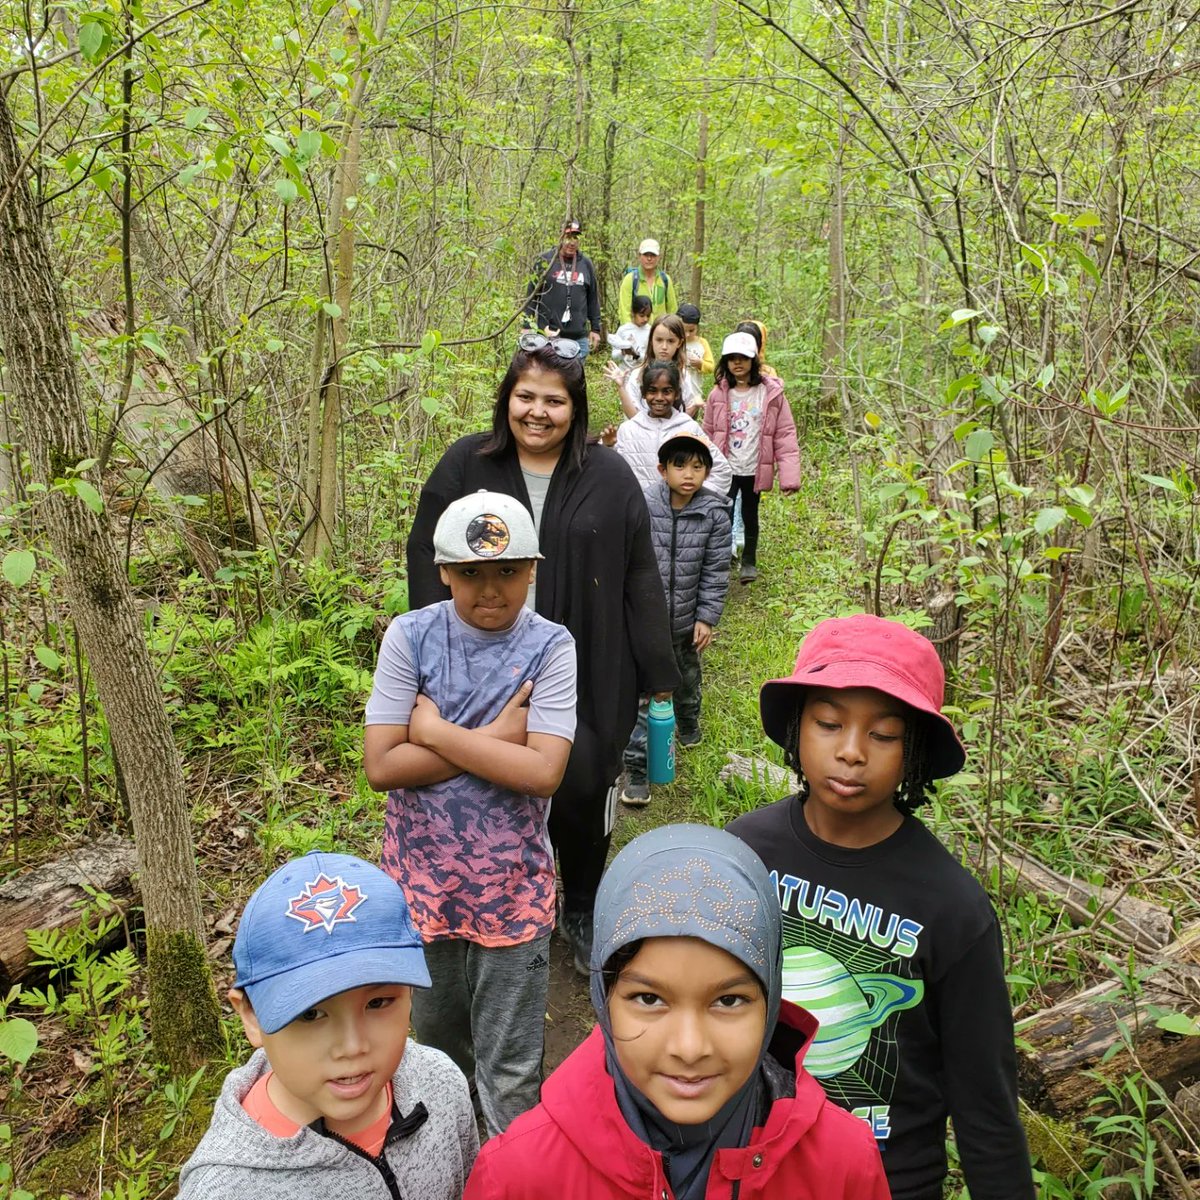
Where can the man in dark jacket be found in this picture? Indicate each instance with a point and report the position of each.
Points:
(563, 299)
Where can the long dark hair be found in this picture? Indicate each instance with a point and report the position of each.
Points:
(663, 366)
(724, 373)
(501, 443)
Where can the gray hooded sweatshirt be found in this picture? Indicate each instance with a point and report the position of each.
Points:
(429, 1152)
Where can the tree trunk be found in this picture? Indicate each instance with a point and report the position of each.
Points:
(184, 1017)
(606, 269)
(325, 399)
(710, 50)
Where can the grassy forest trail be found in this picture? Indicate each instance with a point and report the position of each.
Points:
(806, 572)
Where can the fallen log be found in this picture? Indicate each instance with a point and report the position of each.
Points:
(1061, 1050)
(49, 897)
(1145, 926)
(759, 772)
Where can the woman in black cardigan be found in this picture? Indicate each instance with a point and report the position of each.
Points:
(599, 578)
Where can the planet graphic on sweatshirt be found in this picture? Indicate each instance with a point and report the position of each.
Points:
(849, 1006)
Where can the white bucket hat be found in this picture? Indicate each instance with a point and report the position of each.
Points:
(483, 527)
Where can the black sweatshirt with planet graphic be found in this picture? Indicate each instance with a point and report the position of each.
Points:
(896, 950)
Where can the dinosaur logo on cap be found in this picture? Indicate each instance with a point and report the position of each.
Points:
(325, 903)
(487, 535)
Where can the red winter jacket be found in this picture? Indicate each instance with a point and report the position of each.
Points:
(576, 1143)
(777, 447)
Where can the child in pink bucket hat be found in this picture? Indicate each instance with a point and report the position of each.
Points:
(888, 940)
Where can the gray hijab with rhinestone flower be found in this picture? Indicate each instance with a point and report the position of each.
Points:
(690, 881)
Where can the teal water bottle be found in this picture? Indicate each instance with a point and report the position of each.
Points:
(660, 742)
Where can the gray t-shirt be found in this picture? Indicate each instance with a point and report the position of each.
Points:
(551, 707)
(537, 486)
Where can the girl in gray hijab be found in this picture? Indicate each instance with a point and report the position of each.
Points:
(692, 1085)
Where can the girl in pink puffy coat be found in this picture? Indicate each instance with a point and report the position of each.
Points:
(748, 418)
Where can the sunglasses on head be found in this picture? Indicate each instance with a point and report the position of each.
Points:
(562, 347)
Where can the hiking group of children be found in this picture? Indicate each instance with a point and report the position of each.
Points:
(791, 1008)
(691, 473)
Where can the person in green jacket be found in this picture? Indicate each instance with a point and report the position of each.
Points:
(647, 280)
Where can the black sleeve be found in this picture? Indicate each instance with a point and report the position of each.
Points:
(443, 486)
(645, 602)
(593, 300)
(979, 1065)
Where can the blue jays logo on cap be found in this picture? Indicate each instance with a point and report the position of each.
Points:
(325, 903)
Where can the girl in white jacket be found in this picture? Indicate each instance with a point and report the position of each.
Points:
(638, 439)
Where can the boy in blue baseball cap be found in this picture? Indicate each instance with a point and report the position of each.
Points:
(334, 1100)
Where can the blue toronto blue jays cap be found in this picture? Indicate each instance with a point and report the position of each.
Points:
(323, 924)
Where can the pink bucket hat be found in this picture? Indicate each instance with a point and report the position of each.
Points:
(866, 651)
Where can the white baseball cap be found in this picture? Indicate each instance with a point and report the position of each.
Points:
(740, 343)
(482, 527)
(649, 246)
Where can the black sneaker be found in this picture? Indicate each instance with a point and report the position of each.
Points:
(690, 738)
(577, 930)
(748, 573)
(636, 795)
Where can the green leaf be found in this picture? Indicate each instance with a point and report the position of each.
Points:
(1086, 264)
(278, 145)
(18, 1039)
(1087, 220)
(430, 404)
(957, 317)
(308, 144)
(1080, 516)
(50, 659)
(872, 420)
(1176, 1022)
(989, 333)
(189, 173)
(1045, 377)
(88, 495)
(274, 345)
(286, 190)
(964, 383)
(979, 445)
(1161, 481)
(19, 566)
(194, 116)
(1048, 519)
(331, 309)
(93, 40)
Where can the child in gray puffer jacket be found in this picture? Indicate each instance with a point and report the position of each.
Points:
(690, 530)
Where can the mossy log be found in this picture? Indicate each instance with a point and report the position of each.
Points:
(1061, 1057)
(49, 897)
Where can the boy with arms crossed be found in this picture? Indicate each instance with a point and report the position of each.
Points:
(470, 773)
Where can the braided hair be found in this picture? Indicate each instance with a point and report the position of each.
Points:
(914, 786)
